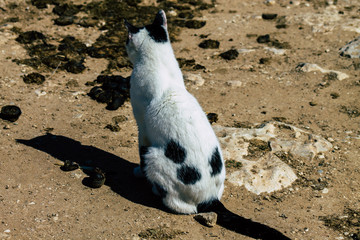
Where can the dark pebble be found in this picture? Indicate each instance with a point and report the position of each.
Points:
(113, 128)
(269, 16)
(189, 64)
(66, 9)
(96, 178)
(212, 117)
(69, 166)
(115, 103)
(29, 37)
(35, 78)
(74, 66)
(212, 44)
(265, 60)
(10, 113)
(334, 95)
(194, 24)
(64, 20)
(263, 38)
(230, 55)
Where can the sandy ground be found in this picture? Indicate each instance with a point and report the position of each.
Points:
(61, 122)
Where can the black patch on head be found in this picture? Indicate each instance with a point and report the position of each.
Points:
(175, 152)
(157, 33)
(143, 150)
(188, 175)
(157, 30)
(160, 190)
(215, 162)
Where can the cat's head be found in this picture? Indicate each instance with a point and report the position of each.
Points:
(145, 40)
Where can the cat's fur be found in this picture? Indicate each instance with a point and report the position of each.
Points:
(180, 154)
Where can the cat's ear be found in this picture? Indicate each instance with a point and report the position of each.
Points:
(160, 19)
(131, 29)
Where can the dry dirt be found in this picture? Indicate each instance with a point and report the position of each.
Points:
(61, 122)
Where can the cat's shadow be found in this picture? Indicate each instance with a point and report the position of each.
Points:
(118, 171)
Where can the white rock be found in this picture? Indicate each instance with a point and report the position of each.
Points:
(234, 83)
(268, 173)
(311, 67)
(194, 79)
(40, 92)
(351, 49)
(276, 51)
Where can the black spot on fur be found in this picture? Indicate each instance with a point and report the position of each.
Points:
(188, 175)
(143, 150)
(157, 33)
(160, 190)
(215, 162)
(175, 152)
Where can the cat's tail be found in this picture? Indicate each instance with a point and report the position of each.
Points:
(240, 225)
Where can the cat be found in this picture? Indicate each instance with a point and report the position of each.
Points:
(179, 152)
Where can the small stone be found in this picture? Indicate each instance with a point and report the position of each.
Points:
(265, 61)
(34, 78)
(6, 127)
(96, 179)
(194, 79)
(312, 103)
(234, 83)
(113, 128)
(29, 37)
(351, 49)
(72, 83)
(119, 119)
(263, 38)
(269, 16)
(64, 20)
(39, 92)
(325, 190)
(69, 166)
(270, 2)
(212, 117)
(10, 113)
(209, 44)
(208, 219)
(230, 55)
(334, 95)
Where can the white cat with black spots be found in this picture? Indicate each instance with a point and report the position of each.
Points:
(179, 152)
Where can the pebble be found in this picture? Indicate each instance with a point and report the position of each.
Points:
(34, 78)
(234, 83)
(195, 79)
(270, 2)
(351, 49)
(39, 92)
(10, 113)
(269, 16)
(230, 54)
(311, 67)
(325, 190)
(208, 219)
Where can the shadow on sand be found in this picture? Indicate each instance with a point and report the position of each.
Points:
(118, 171)
(120, 178)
